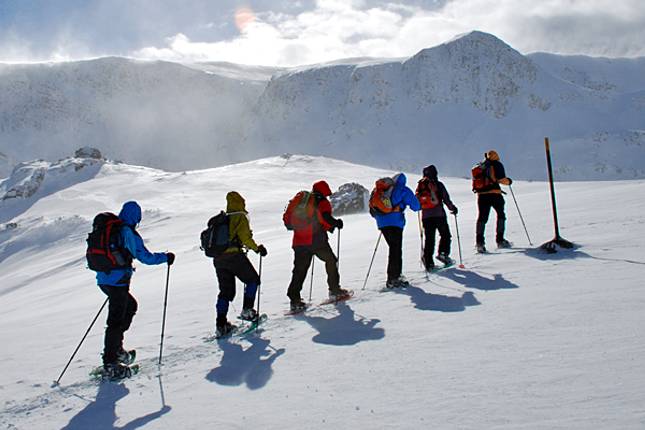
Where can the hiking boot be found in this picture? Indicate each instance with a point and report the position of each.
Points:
(481, 249)
(445, 259)
(249, 314)
(125, 357)
(338, 294)
(224, 329)
(298, 306)
(403, 282)
(116, 371)
(392, 283)
(504, 244)
(430, 267)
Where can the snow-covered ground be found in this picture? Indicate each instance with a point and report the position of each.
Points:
(518, 339)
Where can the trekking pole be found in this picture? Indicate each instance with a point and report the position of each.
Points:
(422, 258)
(372, 262)
(260, 284)
(461, 261)
(311, 285)
(163, 319)
(338, 252)
(520, 213)
(57, 382)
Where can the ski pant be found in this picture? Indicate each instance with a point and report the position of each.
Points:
(394, 238)
(228, 267)
(484, 203)
(121, 309)
(430, 226)
(303, 256)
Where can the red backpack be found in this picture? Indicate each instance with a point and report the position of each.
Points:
(105, 251)
(381, 198)
(428, 194)
(482, 177)
(300, 211)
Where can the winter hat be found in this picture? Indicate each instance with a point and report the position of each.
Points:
(322, 187)
(430, 172)
(492, 155)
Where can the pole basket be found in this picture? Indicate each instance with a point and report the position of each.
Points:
(551, 246)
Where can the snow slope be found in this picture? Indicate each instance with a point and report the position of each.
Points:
(516, 340)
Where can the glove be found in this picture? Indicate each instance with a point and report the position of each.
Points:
(339, 224)
(171, 258)
(454, 211)
(262, 251)
(510, 181)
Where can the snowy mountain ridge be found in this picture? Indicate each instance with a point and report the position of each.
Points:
(463, 97)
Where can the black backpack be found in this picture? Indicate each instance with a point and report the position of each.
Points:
(105, 251)
(215, 239)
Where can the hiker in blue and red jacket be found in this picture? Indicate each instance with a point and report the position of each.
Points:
(392, 224)
(116, 285)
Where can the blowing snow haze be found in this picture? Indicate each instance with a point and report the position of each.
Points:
(462, 97)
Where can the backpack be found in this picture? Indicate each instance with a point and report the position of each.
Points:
(299, 212)
(105, 250)
(428, 194)
(481, 177)
(215, 239)
(381, 198)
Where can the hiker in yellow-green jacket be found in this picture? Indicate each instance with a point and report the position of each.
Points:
(233, 263)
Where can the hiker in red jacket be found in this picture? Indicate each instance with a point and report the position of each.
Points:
(309, 216)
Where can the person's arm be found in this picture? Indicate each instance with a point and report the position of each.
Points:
(244, 234)
(326, 220)
(500, 174)
(445, 197)
(411, 200)
(134, 244)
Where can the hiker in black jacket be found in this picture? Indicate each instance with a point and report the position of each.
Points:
(432, 195)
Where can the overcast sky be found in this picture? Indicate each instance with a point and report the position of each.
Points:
(287, 33)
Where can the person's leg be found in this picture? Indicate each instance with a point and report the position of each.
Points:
(498, 205)
(429, 229)
(325, 253)
(445, 236)
(245, 271)
(394, 238)
(120, 313)
(483, 207)
(226, 281)
(301, 261)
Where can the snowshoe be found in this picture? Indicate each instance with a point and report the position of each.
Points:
(481, 249)
(338, 296)
(249, 315)
(126, 357)
(114, 372)
(447, 261)
(504, 244)
(225, 329)
(297, 307)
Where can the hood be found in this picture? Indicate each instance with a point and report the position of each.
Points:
(492, 155)
(399, 180)
(130, 213)
(430, 172)
(235, 202)
(322, 187)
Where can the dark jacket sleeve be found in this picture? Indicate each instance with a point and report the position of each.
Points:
(445, 197)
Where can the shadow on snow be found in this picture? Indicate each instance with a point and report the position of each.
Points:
(343, 329)
(251, 366)
(436, 302)
(470, 279)
(101, 413)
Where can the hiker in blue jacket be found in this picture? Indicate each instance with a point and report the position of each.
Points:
(391, 225)
(116, 285)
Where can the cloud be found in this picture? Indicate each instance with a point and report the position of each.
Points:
(287, 33)
(335, 29)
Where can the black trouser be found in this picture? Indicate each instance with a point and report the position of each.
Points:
(228, 267)
(430, 226)
(121, 309)
(484, 203)
(301, 262)
(394, 238)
